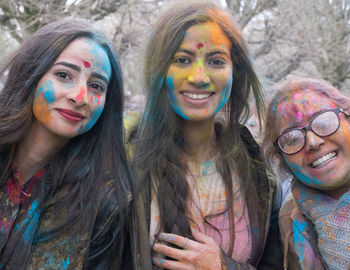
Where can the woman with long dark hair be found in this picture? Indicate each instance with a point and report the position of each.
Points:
(63, 172)
(205, 199)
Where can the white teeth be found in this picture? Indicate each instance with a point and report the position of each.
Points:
(323, 160)
(196, 96)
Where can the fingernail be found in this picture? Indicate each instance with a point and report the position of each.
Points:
(156, 260)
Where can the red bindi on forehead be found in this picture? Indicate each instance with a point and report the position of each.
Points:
(87, 64)
(199, 45)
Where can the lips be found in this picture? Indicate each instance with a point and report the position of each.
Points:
(71, 115)
(196, 96)
(325, 159)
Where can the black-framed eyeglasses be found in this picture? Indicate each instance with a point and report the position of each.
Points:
(323, 124)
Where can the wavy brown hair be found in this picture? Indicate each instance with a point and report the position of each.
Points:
(158, 159)
(284, 91)
(89, 159)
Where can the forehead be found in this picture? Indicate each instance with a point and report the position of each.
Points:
(208, 33)
(86, 52)
(300, 107)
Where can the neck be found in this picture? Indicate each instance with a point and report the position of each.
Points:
(338, 193)
(35, 149)
(200, 140)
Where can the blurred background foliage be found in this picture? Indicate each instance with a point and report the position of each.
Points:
(284, 37)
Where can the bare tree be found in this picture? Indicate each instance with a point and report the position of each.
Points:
(307, 37)
(23, 17)
(246, 10)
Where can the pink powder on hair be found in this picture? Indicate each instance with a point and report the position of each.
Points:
(299, 116)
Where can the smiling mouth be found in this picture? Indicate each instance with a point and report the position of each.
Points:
(71, 115)
(322, 161)
(197, 96)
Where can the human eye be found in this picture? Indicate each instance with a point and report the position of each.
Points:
(98, 87)
(63, 75)
(217, 62)
(291, 138)
(182, 60)
(325, 123)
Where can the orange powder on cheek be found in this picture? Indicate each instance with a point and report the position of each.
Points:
(345, 130)
(40, 109)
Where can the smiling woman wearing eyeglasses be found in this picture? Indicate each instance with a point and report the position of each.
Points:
(308, 128)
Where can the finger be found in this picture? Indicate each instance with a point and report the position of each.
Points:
(177, 240)
(173, 265)
(202, 238)
(174, 253)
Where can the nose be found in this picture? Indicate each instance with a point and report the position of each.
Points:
(198, 75)
(78, 96)
(313, 142)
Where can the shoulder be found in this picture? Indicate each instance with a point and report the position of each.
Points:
(299, 238)
(285, 215)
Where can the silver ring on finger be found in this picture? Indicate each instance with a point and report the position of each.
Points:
(186, 243)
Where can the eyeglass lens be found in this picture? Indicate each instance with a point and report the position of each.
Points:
(322, 125)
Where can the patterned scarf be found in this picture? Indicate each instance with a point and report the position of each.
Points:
(331, 219)
(20, 211)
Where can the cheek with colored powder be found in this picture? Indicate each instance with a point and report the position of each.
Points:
(345, 130)
(91, 121)
(172, 97)
(44, 96)
(308, 180)
(225, 95)
(95, 99)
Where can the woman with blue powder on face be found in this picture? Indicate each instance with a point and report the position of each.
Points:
(61, 142)
(205, 200)
(308, 128)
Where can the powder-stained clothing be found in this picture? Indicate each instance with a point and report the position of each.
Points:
(315, 229)
(208, 197)
(265, 250)
(25, 214)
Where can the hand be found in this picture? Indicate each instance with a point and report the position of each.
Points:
(201, 254)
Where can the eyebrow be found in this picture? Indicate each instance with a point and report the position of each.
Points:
(98, 75)
(72, 66)
(77, 68)
(217, 52)
(186, 51)
(209, 54)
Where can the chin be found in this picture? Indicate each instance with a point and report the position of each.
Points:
(202, 116)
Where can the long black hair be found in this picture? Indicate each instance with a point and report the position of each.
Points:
(88, 159)
(158, 158)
